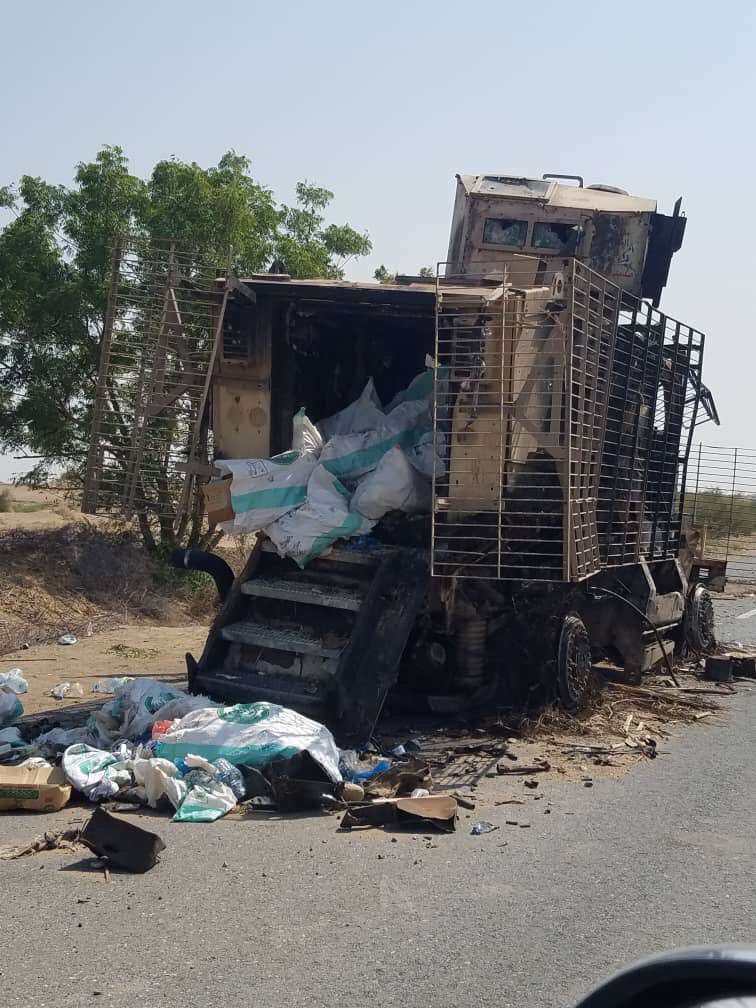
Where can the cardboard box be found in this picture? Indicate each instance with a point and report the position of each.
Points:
(217, 494)
(41, 789)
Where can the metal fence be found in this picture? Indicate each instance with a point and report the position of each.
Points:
(720, 501)
(563, 419)
(163, 317)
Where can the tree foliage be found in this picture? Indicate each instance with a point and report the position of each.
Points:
(55, 260)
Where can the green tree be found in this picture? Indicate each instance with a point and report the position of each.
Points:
(383, 275)
(55, 255)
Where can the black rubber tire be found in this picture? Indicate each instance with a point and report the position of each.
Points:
(574, 663)
(699, 621)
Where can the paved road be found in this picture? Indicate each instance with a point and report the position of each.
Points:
(275, 913)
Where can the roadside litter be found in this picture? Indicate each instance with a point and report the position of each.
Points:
(14, 680)
(66, 690)
(39, 789)
(68, 639)
(112, 685)
(11, 707)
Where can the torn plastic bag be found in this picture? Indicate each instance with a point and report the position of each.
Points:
(305, 435)
(11, 707)
(429, 454)
(364, 414)
(94, 772)
(394, 485)
(263, 490)
(206, 802)
(61, 738)
(324, 517)
(159, 778)
(136, 707)
(14, 680)
(350, 456)
(252, 735)
(421, 387)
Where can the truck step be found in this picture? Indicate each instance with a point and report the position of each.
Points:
(299, 590)
(279, 638)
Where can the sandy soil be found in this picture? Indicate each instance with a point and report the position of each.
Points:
(153, 652)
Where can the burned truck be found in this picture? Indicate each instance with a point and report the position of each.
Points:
(553, 406)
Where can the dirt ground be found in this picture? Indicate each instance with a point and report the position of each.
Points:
(152, 652)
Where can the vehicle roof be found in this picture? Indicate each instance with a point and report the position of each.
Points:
(551, 193)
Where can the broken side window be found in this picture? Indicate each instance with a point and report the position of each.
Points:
(498, 231)
(552, 235)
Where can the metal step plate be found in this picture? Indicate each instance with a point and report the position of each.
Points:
(278, 638)
(309, 593)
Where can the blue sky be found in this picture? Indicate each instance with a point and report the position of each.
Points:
(384, 102)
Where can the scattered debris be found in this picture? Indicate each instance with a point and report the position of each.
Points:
(530, 783)
(510, 801)
(439, 812)
(502, 768)
(465, 802)
(39, 789)
(124, 844)
(64, 840)
(14, 681)
(480, 827)
(68, 639)
(66, 690)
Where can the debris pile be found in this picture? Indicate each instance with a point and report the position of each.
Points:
(340, 478)
(155, 745)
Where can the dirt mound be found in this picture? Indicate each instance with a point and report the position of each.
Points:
(80, 578)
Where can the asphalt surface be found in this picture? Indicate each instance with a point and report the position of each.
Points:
(289, 912)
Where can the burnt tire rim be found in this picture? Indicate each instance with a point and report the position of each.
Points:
(574, 663)
(700, 624)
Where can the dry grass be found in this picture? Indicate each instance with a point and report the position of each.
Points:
(619, 713)
(80, 578)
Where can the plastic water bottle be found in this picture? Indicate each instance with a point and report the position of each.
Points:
(231, 776)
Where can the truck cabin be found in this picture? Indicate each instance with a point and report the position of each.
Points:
(498, 218)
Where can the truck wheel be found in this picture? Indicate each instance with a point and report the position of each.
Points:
(699, 620)
(573, 663)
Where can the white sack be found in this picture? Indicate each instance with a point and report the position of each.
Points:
(392, 486)
(264, 489)
(305, 435)
(324, 517)
(250, 735)
(365, 413)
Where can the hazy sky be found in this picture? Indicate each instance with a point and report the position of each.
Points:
(384, 102)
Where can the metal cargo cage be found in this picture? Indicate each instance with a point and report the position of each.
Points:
(562, 423)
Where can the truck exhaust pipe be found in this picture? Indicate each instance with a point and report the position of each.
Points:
(208, 563)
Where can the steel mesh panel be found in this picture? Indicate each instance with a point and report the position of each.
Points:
(159, 340)
(563, 416)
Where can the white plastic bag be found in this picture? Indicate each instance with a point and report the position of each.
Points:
(352, 455)
(250, 735)
(59, 738)
(94, 772)
(111, 685)
(158, 778)
(429, 455)
(305, 435)
(392, 486)
(14, 680)
(66, 690)
(324, 517)
(134, 710)
(11, 707)
(365, 413)
(206, 802)
(264, 489)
